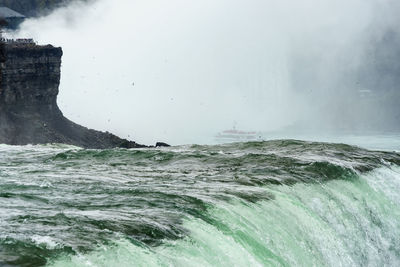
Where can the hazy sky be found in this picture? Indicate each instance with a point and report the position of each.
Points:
(181, 71)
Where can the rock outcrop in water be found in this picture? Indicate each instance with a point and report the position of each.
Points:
(29, 80)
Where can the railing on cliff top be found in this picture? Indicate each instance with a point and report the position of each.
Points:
(19, 41)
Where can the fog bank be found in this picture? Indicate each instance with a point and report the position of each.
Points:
(182, 71)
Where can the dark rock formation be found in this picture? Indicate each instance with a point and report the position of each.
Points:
(162, 144)
(29, 80)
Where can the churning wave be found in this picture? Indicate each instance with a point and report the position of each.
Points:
(275, 203)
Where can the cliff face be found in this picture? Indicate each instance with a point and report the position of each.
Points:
(29, 80)
(30, 76)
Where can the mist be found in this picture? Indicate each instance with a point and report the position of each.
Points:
(181, 71)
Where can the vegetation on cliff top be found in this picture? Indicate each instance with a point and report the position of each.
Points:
(33, 8)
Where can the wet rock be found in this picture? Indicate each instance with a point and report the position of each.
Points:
(161, 144)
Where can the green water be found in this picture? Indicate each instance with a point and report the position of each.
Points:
(277, 203)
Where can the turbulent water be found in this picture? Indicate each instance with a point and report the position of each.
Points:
(276, 203)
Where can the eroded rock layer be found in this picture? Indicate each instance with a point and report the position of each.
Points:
(29, 80)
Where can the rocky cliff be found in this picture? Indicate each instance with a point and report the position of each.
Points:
(29, 80)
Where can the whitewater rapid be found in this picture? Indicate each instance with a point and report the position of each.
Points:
(276, 203)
